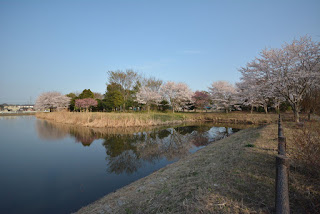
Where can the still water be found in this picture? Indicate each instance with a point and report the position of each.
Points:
(47, 167)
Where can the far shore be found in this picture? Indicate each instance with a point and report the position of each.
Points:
(17, 113)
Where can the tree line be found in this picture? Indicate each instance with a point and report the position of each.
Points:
(279, 78)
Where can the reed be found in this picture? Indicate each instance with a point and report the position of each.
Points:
(101, 119)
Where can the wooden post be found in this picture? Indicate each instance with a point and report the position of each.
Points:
(282, 145)
(282, 188)
(282, 174)
(280, 130)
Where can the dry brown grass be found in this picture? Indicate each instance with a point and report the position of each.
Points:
(303, 142)
(97, 119)
(227, 176)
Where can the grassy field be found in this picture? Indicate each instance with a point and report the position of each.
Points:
(233, 175)
(97, 119)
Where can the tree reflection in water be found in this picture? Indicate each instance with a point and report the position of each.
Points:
(48, 131)
(129, 149)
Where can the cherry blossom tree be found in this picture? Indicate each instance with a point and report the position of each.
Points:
(52, 100)
(223, 94)
(86, 103)
(177, 94)
(288, 72)
(253, 93)
(201, 99)
(149, 92)
(147, 96)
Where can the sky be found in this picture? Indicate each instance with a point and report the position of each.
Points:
(69, 45)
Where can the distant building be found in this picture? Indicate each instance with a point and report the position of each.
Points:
(15, 108)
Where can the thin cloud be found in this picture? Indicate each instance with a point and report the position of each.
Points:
(191, 52)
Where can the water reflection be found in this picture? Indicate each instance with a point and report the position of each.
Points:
(128, 149)
(49, 131)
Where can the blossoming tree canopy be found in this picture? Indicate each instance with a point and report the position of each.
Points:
(178, 94)
(288, 72)
(223, 94)
(201, 99)
(149, 92)
(52, 100)
(86, 103)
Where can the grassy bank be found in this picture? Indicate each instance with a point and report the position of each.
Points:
(233, 175)
(97, 119)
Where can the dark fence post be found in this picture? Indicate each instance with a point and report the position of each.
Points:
(282, 145)
(282, 188)
(280, 130)
(282, 168)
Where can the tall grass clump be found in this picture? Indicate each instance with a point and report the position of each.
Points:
(123, 119)
(98, 119)
(306, 150)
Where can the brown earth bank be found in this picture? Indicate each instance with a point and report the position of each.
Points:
(99, 119)
(232, 175)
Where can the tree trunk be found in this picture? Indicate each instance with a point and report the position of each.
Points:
(251, 109)
(296, 114)
(227, 131)
(309, 114)
(265, 108)
(172, 104)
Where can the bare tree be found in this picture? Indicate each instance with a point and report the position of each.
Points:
(311, 101)
(98, 95)
(126, 79)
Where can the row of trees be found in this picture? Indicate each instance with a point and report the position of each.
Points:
(284, 76)
(289, 74)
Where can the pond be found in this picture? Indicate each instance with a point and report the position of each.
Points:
(47, 167)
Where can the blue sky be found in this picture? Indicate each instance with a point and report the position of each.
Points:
(69, 45)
